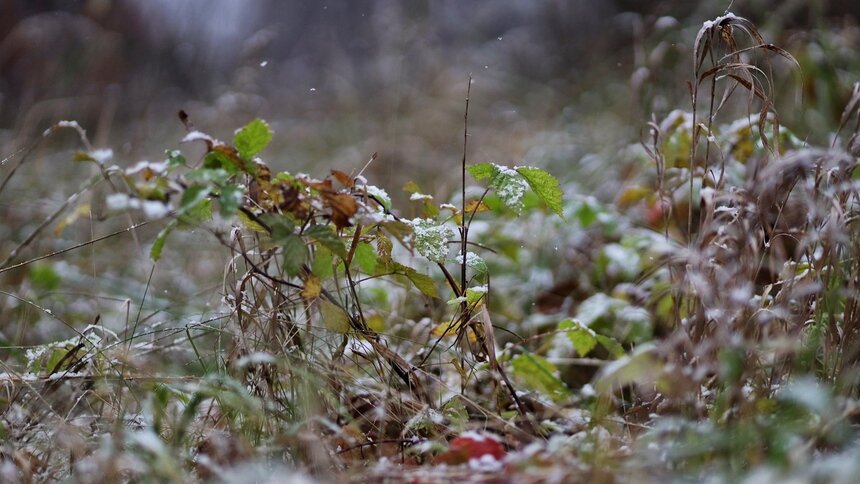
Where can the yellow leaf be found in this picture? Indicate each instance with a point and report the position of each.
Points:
(376, 322)
(632, 195)
(312, 289)
(476, 206)
(82, 210)
(250, 224)
(448, 328)
(333, 317)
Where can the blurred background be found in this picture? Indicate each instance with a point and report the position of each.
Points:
(553, 80)
(566, 85)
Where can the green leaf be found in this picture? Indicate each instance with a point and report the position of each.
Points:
(583, 339)
(192, 196)
(253, 138)
(44, 277)
(479, 171)
(160, 239)
(365, 257)
(295, 253)
(218, 161)
(641, 366)
(586, 214)
(423, 283)
(230, 199)
(539, 374)
(473, 295)
(175, 158)
(217, 175)
(613, 347)
(545, 186)
(411, 187)
(328, 238)
(322, 265)
(198, 213)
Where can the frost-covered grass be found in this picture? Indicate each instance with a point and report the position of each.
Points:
(700, 322)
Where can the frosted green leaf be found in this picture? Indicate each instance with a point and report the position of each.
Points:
(252, 138)
(380, 195)
(473, 261)
(545, 186)
(431, 240)
(510, 186)
(540, 375)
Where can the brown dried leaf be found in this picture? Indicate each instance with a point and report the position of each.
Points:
(343, 178)
(342, 207)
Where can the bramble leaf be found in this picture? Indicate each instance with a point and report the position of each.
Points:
(328, 238)
(423, 283)
(545, 186)
(539, 374)
(613, 347)
(230, 199)
(583, 338)
(479, 171)
(295, 252)
(322, 265)
(365, 257)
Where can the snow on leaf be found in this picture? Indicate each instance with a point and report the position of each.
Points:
(420, 196)
(431, 240)
(473, 261)
(196, 136)
(510, 186)
(380, 195)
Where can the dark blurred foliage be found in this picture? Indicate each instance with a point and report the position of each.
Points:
(341, 80)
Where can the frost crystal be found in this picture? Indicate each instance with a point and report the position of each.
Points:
(431, 240)
(510, 187)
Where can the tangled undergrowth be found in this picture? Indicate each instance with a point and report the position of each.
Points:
(705, 324)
